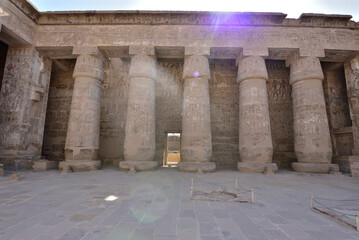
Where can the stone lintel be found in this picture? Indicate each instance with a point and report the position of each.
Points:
(262, 52)
(86, 50)
(304, 52)
(198, 50)
(141, 50)
(249, 52)
(311, 52)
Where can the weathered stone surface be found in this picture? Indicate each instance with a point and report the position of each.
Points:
(2, 170)
(255, 140)
(344, 162)
(79, 166)
(196, 144)
(197, 167)
(180, 41)
(138, 165)
(311, 167)
(82, 139)
(257, 167)
(140, 144)
(45, 165)
(312, 142)
(354, 169)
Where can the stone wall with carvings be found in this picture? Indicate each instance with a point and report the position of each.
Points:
(113, 110)
(14, 20)
(281, 113)
(337, 105)
(23, 102)
(58, 110)
(223, 92)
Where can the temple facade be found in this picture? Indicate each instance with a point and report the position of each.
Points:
(246, 91)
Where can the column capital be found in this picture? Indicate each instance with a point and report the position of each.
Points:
(201, 51)
(90, 66)
(251, 67)
(305, 68)
(141, 50)
(143, 66)
(196, 66)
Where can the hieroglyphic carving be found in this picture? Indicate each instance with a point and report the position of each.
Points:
(223, 91)
(24, 71)
(128, 17)
(280, 112)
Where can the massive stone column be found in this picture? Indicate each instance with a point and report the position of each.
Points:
(140, 132)
(83, 132)
(196, 138)
(312, 142)
(23, 103)
(255, 139)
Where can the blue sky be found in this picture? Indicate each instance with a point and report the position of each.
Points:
(290, 7)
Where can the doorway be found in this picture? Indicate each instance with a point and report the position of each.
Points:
(172, 154)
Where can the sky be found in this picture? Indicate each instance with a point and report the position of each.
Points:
(291, 7)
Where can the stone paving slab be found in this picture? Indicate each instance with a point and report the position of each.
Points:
(155, 205)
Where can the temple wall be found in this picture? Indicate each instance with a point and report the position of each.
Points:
(23, 101)
(281, 113)
(337, 106)
(113, 110)
(224, 110)
(223, 92)
(58, 110)
(14, 21)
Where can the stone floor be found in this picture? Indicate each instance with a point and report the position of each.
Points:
(155, 205)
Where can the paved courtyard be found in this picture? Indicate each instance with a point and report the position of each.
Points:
(155, 205)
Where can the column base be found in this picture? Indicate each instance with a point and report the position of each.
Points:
(315, 167)
(79, 166)
(255, 167)
(139, 166)
(196, 166)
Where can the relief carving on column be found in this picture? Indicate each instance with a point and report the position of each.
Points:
(312, 141)
(82, 140)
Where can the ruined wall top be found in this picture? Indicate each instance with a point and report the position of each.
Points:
(182, 18)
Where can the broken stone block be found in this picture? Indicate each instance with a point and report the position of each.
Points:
(132, 170)
(2, 170)
(354, 167)
(269, 171)
(45, 165)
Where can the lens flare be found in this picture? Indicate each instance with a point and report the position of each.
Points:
(196, 74)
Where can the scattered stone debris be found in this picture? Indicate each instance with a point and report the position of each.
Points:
(132, 170)
(16, 177)
(200, 171)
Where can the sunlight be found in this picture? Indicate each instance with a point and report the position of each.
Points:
(111, 198)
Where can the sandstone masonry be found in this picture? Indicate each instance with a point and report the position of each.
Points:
(248, 91)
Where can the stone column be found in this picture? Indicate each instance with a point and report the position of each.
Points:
(196, 139)
(140, 132)
(351, 69)
(255, 139)
(83, 132)
(312, 142)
